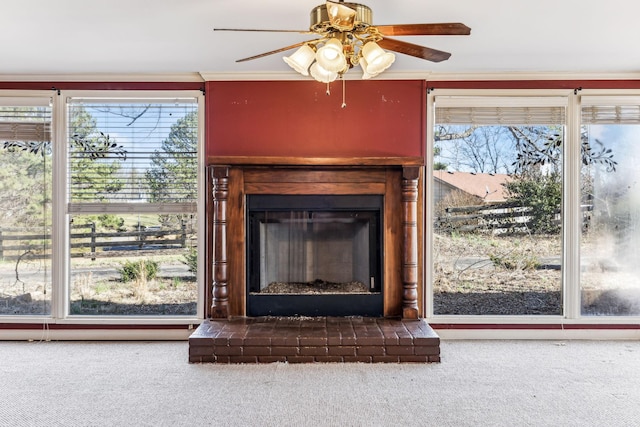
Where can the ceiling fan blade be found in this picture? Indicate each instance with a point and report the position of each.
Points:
(411, 49)
(293, 46)
(443, 29)
(263, 31)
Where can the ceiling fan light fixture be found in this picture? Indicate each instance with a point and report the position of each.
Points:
(321, 74)
(301, 59)
(376, 60)
(365, 75)
(341, 17)
(331, 56)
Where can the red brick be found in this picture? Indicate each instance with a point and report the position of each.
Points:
(257, 341)
(201, 351)
(221, 341)
(313, 351)
(357, 359)
(236, 341)
(253, 340)
(257, 351)
(243, 359)
(426, 350)
(370, 350)
(300, 359)
(227, 351)
(426, 341)
(284, 341)
(284, 351)
(329, 359)
(369, 340)
(348, 340)
(405, 340)
(391, 339)
(399, 349)
(313, 341)
(342, 350)
(334, 340)
(414, 359)
(386, 359)
(271, 359)
(200, 340)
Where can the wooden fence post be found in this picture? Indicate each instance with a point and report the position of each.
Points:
(93, 241)
(183, 237)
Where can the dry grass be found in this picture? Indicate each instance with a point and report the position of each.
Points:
(485, 274)
(96, 289)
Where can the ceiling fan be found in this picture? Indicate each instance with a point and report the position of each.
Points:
(346, 37)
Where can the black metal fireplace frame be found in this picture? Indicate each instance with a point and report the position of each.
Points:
(369, 304)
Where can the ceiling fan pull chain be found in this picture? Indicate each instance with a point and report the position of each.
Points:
(344, 90)
(328, 89)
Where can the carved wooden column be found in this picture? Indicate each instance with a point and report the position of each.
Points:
(410, 177)
(220, 304)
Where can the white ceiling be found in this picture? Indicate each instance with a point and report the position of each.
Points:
(64, 37)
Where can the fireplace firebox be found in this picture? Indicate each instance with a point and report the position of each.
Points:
(314, 255)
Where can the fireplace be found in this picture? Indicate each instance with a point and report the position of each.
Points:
(314, 255)
(315, 260)
(367, 214)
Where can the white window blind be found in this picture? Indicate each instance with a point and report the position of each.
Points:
(610, 110)
(500, 110)
(25, 120)
(123, 151)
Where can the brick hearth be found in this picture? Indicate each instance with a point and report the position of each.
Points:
(307, 340)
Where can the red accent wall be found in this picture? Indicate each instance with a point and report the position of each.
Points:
(298, 119)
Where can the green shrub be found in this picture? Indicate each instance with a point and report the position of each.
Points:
(515, 261)
(111, 221)
(191, 260)
(138, 270)
(543, 195)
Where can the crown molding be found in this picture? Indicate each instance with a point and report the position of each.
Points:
(531, 76)
(103, 77)
(429, 76)
(292, 76)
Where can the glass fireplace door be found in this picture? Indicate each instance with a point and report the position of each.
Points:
(314, 255)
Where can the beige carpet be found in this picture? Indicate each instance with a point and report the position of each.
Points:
(478, 383)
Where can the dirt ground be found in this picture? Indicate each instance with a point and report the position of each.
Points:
(97, 289)
(477, 274)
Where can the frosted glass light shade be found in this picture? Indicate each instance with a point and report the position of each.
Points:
(322, 75)
(301, 59)
(330, 56)
(365, 75)
(376, 58)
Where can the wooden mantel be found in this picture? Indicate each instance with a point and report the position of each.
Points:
(314, 161)
(399, 180)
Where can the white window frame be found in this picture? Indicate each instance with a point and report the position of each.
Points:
(32, 98)
(60, 265)
(571, 289)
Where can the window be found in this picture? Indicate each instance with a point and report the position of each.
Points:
(133, 196)
(25, 206)
(496, 187)
(610, 198)
(100, 206)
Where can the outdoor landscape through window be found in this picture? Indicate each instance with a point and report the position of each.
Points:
(497, 247)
